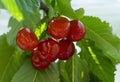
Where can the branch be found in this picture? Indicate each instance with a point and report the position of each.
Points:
(44, 7)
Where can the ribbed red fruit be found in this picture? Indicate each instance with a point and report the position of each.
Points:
(67, 49)
(26, 39)
(38, 62)
(77, 31)
(59, 27)
(49, 49)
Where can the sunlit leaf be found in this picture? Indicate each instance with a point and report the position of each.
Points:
(12, 7)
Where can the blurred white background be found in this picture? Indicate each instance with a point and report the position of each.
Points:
(108, 10)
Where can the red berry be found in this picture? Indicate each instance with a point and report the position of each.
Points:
(59, 27)
(49, 49)
(67, 49)
(77, 31)
(38, 61)
(26, 39)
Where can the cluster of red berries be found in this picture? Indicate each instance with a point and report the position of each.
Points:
(63, 33)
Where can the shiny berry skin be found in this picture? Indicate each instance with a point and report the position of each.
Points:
(49, 49)
(77, 31)
(59, 27)
(26, 39)
(38, 61)
(67, 49)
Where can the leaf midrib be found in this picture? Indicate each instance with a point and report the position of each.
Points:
(34, 78)
(98, 64)
(73, 69)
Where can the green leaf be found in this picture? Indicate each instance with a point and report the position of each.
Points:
(94, 78)
(51, 4)
(10, 60)
(79, 13)
(41, 31)
(74, 70)
(78, 71)
(100, 66)
(47, 2)
(64, 77)
(65, 8)
(1, 5)
(28, 74)
(30, 11)
(15, 27)
(101, 33)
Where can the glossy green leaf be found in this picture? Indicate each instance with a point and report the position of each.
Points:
(41, 31)
(100, 66)
(10, 60)
(28, 74)
(101, 33)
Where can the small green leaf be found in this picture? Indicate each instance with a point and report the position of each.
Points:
(101, 33)
(28, 74)
(65, 8)
(41, 31)
(10, 60)
(79, 13)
